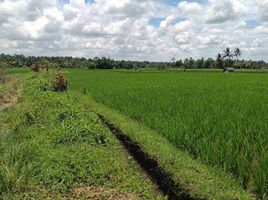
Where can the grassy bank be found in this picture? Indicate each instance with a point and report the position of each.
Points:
(52, 148)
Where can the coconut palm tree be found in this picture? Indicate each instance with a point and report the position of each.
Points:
(237, 52)
(227, 53)
(219, 61)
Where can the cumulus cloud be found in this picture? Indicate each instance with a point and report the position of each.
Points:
(228, 10)
(133, 29)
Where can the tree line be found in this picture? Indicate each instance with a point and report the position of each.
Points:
(222, 61)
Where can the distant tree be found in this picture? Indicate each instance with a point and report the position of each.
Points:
(209, 63)
(226, 58)
(173, 62)
(219, 62)
(178, 63)
(227, 53)
(199, 63)
(104, 63)
(237, 53)
(186, 64)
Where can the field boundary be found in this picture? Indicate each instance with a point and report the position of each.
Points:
(163, 179)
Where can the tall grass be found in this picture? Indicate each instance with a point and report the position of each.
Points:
(221, 119)
(15, 168)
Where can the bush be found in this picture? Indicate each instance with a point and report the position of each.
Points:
(2, 75)
(60, 84)
(35, 67)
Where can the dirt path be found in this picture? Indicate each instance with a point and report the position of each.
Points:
(11, 95)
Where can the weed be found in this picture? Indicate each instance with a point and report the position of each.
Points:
(30, 117)
(16, 167)
(67, 115)
(79, 133)
(45, 86)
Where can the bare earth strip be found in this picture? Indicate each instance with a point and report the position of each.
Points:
(11, 95)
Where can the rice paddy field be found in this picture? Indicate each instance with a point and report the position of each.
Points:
(218, 118)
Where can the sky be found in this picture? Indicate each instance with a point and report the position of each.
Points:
(153, 30)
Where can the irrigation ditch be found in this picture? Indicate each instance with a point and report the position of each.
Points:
(162, 179)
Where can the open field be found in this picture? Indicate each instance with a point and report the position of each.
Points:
(134, 100)
(218, 118)
(54, 145)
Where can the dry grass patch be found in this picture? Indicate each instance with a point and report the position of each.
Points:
(102, 193)
(11, 95)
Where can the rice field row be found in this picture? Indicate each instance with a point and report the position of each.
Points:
(221, 119)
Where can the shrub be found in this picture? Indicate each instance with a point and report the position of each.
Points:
(60, 84)
(35, 67)
(2, 75)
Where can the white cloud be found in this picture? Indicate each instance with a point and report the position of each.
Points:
(122, 28)
(187, 9)
(183, 38)
(228, 10)
(167, 22)
(183, 25)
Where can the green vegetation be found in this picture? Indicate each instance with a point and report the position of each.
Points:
(52, 148)
(220, 119)
(206, 129)
(194, 177)
(216, 62)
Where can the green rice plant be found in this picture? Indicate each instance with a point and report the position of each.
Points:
(221, 119)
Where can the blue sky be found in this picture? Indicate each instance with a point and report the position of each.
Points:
(252, 23)
(175, 2)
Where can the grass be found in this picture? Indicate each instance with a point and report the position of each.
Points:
(52, 148)
(17, 71)
(219, 119)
